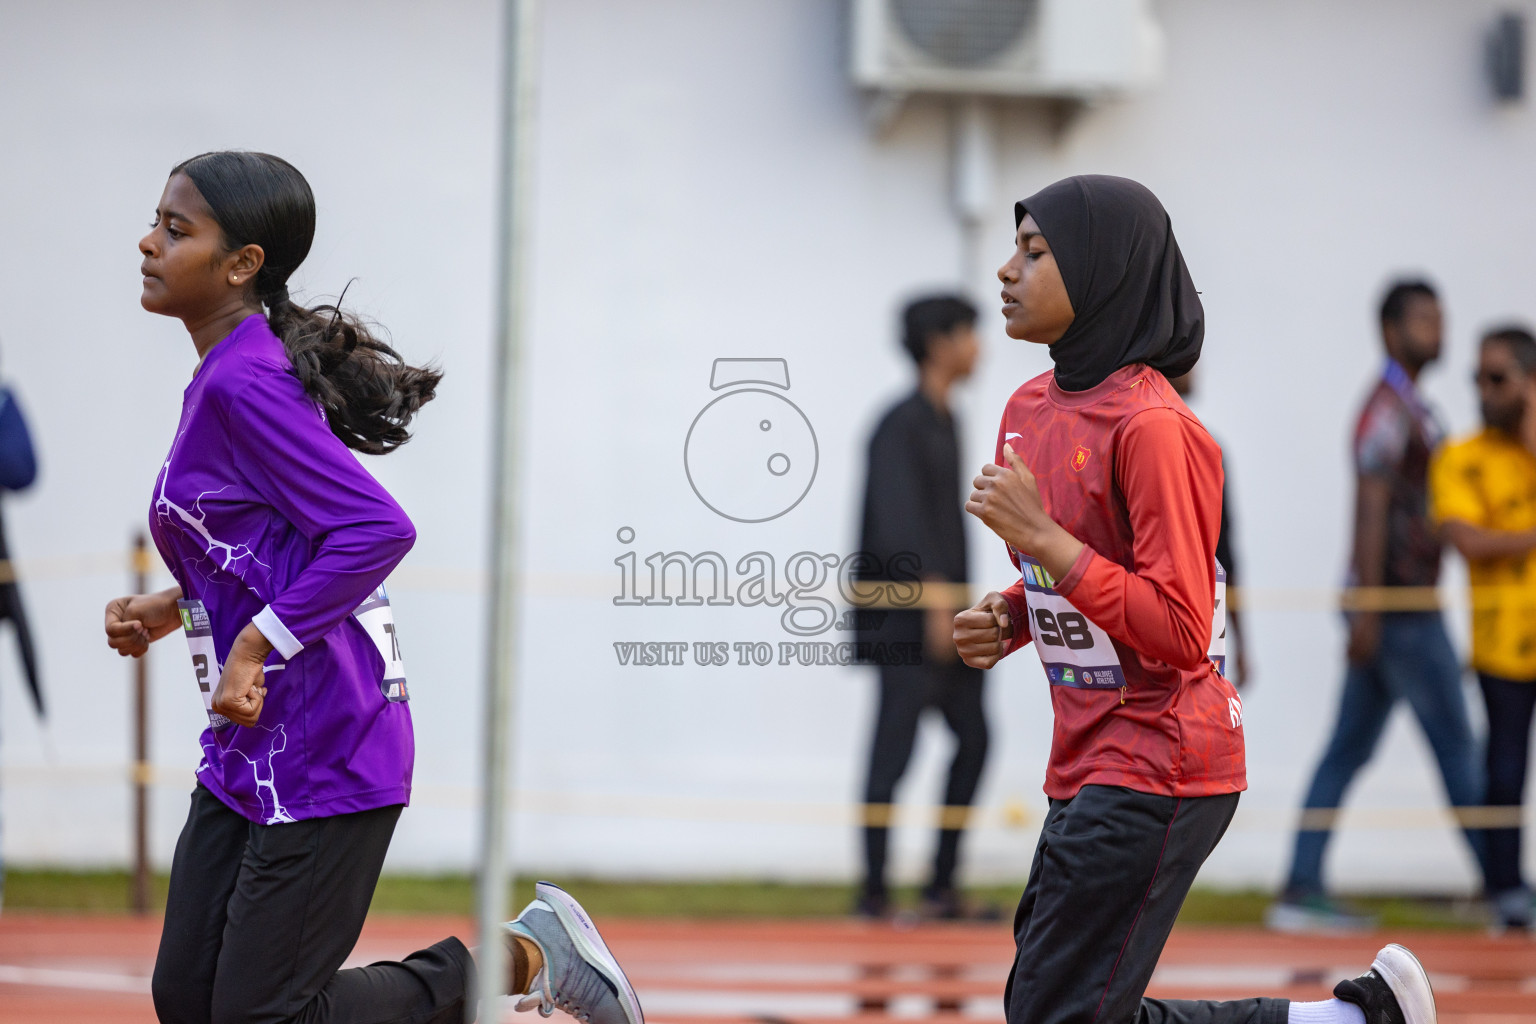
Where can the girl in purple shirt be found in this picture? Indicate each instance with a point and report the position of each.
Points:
(280, 541)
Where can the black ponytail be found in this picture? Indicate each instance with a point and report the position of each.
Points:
(367, 390)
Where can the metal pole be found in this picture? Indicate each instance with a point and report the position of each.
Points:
(519, 81)
(974, 182)
(140, 744)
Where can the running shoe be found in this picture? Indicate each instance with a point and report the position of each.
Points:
(950, 905)
(872, 904)
(1394, 991)
(1512, 910)
(1314, 912)
(580, 975)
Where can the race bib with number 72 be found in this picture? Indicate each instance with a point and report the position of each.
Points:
(373, 614)
(378, 619)
(205, 663)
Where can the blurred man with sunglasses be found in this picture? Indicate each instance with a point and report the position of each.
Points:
(1483, 494)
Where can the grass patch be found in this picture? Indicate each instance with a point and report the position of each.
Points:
(108, 892)
(1246, 907)
(76, 891)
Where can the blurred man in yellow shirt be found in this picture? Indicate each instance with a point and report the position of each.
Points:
(1483, 494)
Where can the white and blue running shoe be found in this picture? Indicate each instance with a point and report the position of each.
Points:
(580, 975)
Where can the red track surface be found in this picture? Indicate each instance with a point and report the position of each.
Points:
(73, 970)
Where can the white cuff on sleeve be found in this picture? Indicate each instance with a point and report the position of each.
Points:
(276, 633)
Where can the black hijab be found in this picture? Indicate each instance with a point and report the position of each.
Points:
(1131, 293)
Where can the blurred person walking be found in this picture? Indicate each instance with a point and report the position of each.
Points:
(1107, 491)
(913, 528)
(280, 542)
(18, 471)
(1483, 495)
(1391, 654)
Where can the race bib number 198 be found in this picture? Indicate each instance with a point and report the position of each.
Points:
(1073, 650)
(1077, 653)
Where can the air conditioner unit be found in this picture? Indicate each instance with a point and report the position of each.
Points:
(1065, 49)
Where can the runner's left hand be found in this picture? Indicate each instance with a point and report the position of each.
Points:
(1007, 499)
(242, 688)
(138, 620)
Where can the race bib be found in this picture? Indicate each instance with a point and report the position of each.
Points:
(205, 663)
(1218, 651)
(1073, 650)
(377, 618)
(1077, 653)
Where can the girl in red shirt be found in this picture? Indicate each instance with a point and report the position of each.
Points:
(1107, 491)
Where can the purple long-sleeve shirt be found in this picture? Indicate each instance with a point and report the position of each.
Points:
(264, 516)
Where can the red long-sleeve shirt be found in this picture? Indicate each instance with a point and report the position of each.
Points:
(1127, 469)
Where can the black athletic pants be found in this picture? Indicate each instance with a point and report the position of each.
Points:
(1510, 704)
(1110, 873)
(905, 691)
(260, 919)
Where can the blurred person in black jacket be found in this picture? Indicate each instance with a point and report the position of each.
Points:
(913, 529)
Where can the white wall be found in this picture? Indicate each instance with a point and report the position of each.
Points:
(389, 108)
(708, 188)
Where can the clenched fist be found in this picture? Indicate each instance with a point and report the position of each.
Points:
(242, 688)
(984, 631)
(138, 620)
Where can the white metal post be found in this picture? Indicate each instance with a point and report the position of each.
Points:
(974, 168)
(519, 83)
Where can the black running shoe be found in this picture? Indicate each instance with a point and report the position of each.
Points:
(1394, 991)
(872, 906)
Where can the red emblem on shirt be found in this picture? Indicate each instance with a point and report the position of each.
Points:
(1080, 457)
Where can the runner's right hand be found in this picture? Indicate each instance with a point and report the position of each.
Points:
(984, 631)
(138, 620)
(242, 686)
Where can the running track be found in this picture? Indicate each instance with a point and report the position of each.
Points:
(76, 969)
